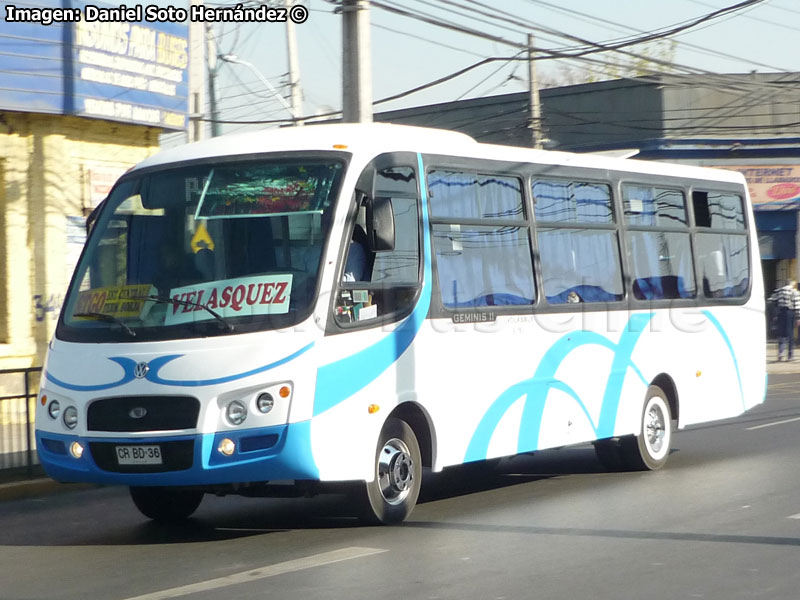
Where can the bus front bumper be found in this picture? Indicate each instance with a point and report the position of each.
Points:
(256, 455)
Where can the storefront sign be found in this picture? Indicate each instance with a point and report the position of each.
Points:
(115, 69)
(772, 187)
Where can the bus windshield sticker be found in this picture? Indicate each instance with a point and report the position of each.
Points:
(123, 301)
(267, 190)
(246, 296)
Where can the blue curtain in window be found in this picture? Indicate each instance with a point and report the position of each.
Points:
(724, 264)
(580, 265)
(572, 202)
(662, 265)
(483, 266)
(469, 196)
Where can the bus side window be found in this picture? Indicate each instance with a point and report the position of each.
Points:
(378, 283)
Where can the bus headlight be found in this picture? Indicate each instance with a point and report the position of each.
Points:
(54, 409)
(76, 449)
(70, 417)
(236, 413)
(226, 447)
(265, 402)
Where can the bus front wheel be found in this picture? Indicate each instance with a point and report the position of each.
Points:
(164, 504)
(649, 450)
(392, 494)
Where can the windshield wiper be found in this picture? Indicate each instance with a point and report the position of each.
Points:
(168, 300)
(108, 319)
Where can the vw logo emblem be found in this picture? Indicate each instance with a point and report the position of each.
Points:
(140, 370)
(137, 412)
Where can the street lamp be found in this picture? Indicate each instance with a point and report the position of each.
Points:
(232, 58)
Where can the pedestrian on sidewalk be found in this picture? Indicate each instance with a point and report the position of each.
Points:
(787, 303)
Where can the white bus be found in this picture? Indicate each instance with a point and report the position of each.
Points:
(343, 305)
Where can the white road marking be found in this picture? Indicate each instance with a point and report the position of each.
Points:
(797, 516)
(773, 424)
(317, 560)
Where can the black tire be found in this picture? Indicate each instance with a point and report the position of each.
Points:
(166, 505)
(393, 493)
(649, 450)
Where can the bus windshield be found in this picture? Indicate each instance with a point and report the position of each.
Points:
(204, 249)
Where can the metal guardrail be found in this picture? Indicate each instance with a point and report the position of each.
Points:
(19, 388)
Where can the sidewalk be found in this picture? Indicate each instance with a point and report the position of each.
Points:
(774, 367)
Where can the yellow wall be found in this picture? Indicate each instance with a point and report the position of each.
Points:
(45, 162)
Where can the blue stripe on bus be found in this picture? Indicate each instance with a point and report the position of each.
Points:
(128, 365)
(721, 330)
(157, 363)
(339, 380)
(536, 389)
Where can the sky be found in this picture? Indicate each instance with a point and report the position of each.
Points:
(407, 52)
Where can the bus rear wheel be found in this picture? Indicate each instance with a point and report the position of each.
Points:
(166, 505)
(392, 494)
(649, 450)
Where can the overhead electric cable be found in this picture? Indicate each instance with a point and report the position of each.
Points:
(595, 19)
(552, 54)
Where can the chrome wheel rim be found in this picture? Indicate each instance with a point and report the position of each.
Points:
(395, 471)
(655, 429)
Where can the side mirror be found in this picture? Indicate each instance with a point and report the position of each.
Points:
(380, 224)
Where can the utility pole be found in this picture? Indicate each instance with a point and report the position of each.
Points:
(195, 131)
(356, 64)
(212, 76)
(294, 67)
(535, 116)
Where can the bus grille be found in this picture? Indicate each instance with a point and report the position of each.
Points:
(143, 413)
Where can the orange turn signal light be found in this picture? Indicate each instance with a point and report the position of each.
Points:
(44, 399)
(284, 391)
(373, 408)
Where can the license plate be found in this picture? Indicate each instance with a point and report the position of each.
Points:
(139, 455)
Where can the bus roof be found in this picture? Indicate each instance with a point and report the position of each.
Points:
(375, 138)
(371, 138)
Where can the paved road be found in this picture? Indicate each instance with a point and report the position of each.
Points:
(721, 522)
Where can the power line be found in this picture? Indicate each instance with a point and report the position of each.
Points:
(752, 18)
(618, 46)
(487, 78)
(592, 47)
(783, 8)
(552, 54)
(594, 19)
(419, 37)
